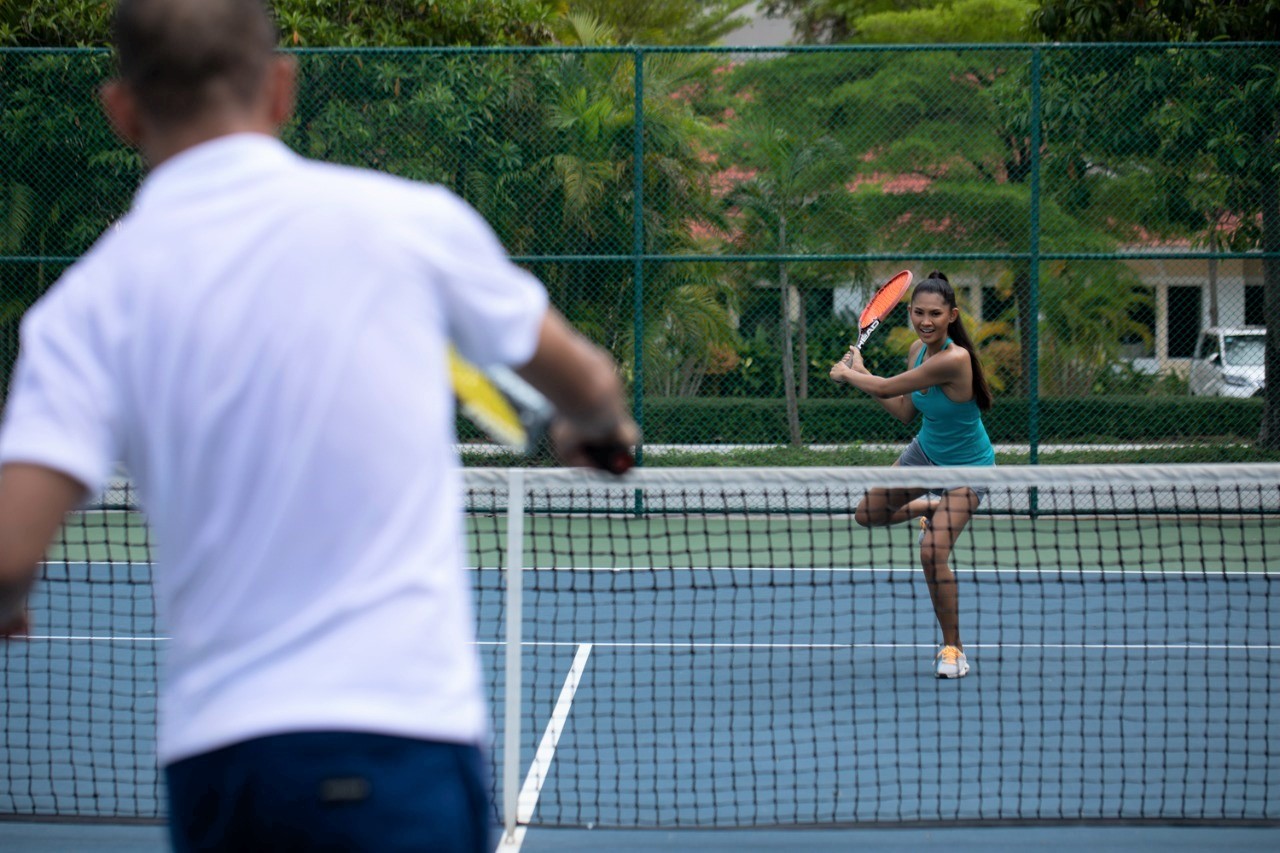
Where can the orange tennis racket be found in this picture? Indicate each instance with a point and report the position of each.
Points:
(884, 301)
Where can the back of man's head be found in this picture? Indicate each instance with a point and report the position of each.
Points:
(183, 58)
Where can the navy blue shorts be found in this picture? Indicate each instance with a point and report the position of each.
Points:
(348, 791)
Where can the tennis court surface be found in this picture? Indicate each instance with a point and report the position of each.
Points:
(726, 648)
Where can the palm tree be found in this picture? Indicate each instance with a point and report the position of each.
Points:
(579, 189)
(794, 204)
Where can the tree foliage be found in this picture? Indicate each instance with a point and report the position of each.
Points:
(794, 203)
(1157, 20)
(1213, 126)
(692, 22)
(404, 23)
(55, 23)
(837, 21)
(540, 143)
(413, 23)
(309, 23)
(958, 22)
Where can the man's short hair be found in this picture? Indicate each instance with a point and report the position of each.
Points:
(181, 58)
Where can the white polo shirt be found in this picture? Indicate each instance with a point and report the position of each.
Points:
(262, 342)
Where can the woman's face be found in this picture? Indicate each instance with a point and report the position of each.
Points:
(930, 317)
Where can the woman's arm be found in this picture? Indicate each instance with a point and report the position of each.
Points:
(946, 369)
(846, 371)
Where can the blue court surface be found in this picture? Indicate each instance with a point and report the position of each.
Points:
(79, 838)
(760, 708)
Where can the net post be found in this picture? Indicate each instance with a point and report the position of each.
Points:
(514, 610)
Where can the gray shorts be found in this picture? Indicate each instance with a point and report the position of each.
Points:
(913, 457)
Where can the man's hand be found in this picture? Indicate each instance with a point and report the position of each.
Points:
(594, 429)
(16, 625)
(611, 451)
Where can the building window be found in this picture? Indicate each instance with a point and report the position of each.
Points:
(1184, 320)
(994, 306)
(1254, 314)
(1134, 344)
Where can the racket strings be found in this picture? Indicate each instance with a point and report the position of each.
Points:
(885, 299)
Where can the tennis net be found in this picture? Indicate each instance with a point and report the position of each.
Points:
(729, 647)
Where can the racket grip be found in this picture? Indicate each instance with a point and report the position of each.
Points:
(611, 457)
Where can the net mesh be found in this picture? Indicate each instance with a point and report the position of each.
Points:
(731, 648)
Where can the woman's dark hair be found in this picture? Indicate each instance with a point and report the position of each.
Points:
(937, 282)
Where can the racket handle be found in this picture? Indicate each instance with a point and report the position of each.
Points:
(614, 458)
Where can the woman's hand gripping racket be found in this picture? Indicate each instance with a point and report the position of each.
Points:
(514, 413)
(882, 302)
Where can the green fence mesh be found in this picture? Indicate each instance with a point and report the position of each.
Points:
(1108, 214)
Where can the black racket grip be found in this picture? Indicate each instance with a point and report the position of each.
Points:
(611, 457)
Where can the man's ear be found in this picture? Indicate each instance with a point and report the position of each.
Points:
(282, 88)
(121, 109)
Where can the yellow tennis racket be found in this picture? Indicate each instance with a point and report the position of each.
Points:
(515, 414)
(517, 421)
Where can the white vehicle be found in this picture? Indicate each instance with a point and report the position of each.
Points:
(1228, 362)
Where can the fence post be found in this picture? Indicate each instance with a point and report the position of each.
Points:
(1031, 337)
(637, 245)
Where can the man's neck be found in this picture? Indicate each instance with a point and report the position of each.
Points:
(160, 146)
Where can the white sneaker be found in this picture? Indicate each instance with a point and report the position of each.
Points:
(951, 663)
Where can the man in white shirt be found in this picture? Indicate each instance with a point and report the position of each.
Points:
(262, 340)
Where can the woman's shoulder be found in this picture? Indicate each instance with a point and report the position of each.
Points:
(954, 358)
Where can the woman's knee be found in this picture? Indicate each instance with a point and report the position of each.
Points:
(934, 559)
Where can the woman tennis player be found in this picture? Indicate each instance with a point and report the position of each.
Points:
(944, 383)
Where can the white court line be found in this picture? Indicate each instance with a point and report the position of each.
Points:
(1182, 647)
(93, 638)
(1228, 647)
(1069, 571)
(541, 765)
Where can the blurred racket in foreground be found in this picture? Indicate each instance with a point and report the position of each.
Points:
(514, 413)
(882, 302)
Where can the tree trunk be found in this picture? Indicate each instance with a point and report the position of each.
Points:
(1026, 321)
(788, 346)
(802, 342)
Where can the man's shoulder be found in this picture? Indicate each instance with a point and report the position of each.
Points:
(397, 208)
(376, 190)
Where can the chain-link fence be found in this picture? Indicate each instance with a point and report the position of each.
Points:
(1108, 214)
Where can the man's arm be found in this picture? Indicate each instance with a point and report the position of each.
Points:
(581, 381)
(33, 502)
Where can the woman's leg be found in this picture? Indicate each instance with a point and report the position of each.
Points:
(882, 507)
(950, 516)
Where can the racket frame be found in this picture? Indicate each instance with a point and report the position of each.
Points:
(866, 327)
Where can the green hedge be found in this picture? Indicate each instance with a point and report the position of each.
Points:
(1076, 420)
(1129, 419)
(1119, 419)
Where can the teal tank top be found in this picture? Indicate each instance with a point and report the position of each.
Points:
(952, 433)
